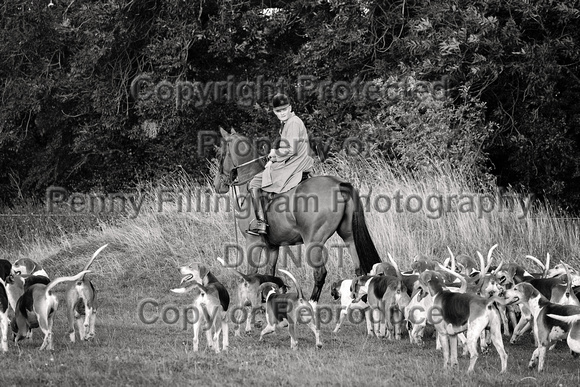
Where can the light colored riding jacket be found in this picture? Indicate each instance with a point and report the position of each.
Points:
(291, 159)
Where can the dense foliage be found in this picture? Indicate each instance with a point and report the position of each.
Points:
(103, 94)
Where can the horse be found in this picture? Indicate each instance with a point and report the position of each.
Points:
(308, 214)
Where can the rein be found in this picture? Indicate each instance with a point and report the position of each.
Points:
(233, 183)
(249, 162)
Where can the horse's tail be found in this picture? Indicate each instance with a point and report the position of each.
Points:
(365, 248)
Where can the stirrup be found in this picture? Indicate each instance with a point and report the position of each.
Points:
(258, 229)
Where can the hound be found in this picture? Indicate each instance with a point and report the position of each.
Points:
(211, 304)
(460, 312)
(558, 295)
(417, 313)
(23, 269)
(208, 312)
(552, 322)
(466, 265)
(37, 307)
(387, 298)
(26, 266)
(420, 265)
(291, 307)
(383, 268)
(249, 294)
(341, 290)
(560, 269)
(81, 301)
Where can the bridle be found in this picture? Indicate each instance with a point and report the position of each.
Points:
(231, 179)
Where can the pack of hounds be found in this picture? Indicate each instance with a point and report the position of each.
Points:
(462, 300)
(26, 288)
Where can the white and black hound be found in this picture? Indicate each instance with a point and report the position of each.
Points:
(460, 312)
(291, 307)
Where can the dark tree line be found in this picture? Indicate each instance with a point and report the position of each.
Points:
(491, 86)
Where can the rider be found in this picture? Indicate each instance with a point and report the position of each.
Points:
(286, 164)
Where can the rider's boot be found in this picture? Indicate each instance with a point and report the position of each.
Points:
(259, 226)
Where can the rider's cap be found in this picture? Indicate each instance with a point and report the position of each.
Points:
(280, 101)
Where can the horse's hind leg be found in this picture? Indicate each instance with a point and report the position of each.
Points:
(316, 256)
(345, 232)
(319, 279)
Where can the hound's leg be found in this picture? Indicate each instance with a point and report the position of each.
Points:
(444, 341)
(341, 317)
(45, 325)
(313, 328)
(376, 317)
(213, 334)
(292, 331)
(226, 332)
(249, 319)
(463, 340)
(474, 332)
(80, 326)
(453, 349)
(511, 310)
(87, 323)
(542, 356)
(533, 360)
(397, 324)
(4, 330)
(504, 319)
(522, 326)
(497, 341)
(370, 322)
(270, 328)
(72, 320)
(196, 332)
(387, 326)
(92, 321)
(483, 341)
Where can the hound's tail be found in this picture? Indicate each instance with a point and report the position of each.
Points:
(567, 319)
(236, 272)
(93, 258)
(298, 289)
(65, 279)
(463, 287)
(365, 248)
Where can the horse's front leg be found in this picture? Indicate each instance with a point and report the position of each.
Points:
(272, 256)
(254, 247)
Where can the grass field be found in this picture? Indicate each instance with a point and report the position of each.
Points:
(144, 251)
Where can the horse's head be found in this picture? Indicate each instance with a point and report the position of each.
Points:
(235, 151)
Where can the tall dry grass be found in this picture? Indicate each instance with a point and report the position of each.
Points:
(167, 232)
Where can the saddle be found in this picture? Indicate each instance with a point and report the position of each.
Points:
(267, 197)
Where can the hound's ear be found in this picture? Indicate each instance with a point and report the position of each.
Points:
(232, 131)
(225, 134)
(421, 294)
(203, 271)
